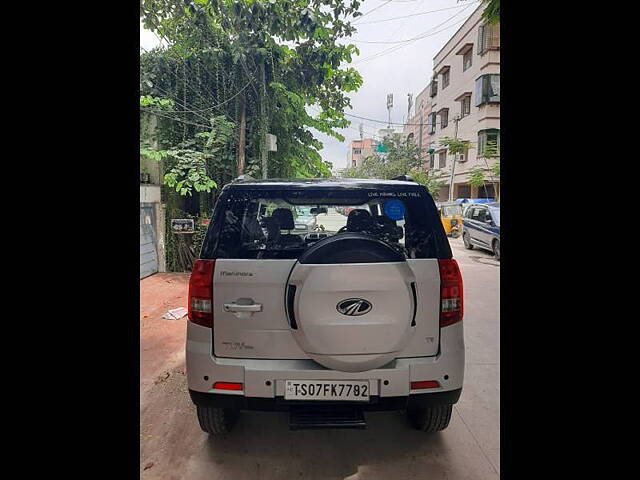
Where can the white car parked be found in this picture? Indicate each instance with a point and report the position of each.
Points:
(364, 315)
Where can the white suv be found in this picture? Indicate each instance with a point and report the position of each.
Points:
(363, 314)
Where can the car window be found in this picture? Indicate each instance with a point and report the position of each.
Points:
(474, 213)
(452, 210)
(267, 224)
(495, 215)
(482, 215)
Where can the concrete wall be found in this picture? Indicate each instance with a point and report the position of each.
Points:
(152, 167)
(149, 193)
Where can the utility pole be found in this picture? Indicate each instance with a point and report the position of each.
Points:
(456, 119)
(389, 107)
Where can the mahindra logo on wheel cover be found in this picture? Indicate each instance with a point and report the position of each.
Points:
(354, 307)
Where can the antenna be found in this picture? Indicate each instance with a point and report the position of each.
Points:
(389, 106)
(361, 131)
(410, 102)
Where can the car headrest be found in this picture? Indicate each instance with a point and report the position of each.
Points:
(284, 217)
(272, 227)
(359, 220)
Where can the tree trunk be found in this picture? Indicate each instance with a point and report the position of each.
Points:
(263, 123)
(241, 136)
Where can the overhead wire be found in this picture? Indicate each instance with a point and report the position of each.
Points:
(412, 15)
(428, 32)
(357, 19)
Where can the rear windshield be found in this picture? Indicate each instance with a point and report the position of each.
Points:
(269, 224)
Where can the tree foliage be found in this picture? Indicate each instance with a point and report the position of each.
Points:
(491, 12)
(476, 176)
(401, 157)
(495, 169)
(455, 146)
(213, 64)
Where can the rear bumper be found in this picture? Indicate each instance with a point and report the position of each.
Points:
(279, 404)
(265, 378)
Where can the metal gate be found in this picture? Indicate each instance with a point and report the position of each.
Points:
(148, 250)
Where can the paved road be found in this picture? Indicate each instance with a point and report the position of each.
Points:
(172, 446)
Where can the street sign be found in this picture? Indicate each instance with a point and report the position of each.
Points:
(182, 225)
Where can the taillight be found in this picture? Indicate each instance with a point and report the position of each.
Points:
(451, 304)
(201, 293)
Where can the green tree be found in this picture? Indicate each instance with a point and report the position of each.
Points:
(454, 147)
(260, 52)
(491, 152)
(400, 158)
(491, 12)
(477, 178)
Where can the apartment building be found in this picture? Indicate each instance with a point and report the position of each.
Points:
(465, 104)
(416, 128)
(361, 149)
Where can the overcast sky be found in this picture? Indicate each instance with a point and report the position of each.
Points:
(397, 68)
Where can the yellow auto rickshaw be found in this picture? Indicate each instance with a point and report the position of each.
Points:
(451, 218)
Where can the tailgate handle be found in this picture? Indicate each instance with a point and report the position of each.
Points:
(239, 307)
(243, 307)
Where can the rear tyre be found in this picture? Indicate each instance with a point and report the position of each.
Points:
(430, 419)
(217, 421)
(465, 240)
(496, 249)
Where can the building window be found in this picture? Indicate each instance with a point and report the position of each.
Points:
(432, 160)
(433, 88)
(486, 136)
(465, 106)
(488, 38)
(445, 79)
(467, 59)
(488, 89)
(431, 123)
(357, 151)
(444, 118)
(442, 159)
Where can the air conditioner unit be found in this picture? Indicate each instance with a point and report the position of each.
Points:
(461, 157)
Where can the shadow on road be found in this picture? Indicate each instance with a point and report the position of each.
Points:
(262, 444)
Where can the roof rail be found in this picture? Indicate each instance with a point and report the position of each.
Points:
(405, 178)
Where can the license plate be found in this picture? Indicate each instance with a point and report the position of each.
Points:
(348, 390)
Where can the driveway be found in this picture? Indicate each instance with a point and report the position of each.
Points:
(172, 446)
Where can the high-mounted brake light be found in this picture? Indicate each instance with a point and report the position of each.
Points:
(451, 298)
(227, 386)
(201, 293)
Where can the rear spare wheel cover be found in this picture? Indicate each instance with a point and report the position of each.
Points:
(352, 315)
